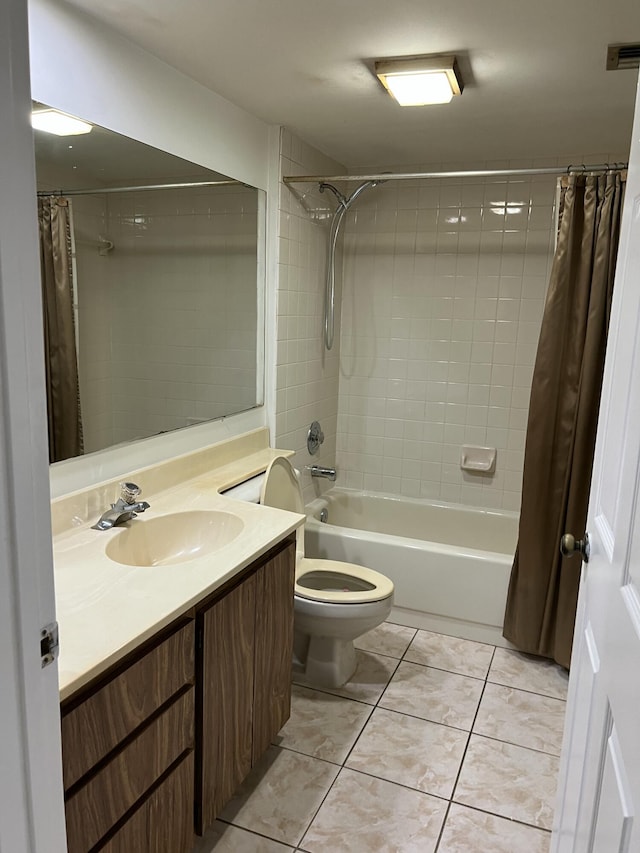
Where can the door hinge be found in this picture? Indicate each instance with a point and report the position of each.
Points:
(49, 644)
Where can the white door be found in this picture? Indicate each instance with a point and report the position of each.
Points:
(31, 804)
(599, 787)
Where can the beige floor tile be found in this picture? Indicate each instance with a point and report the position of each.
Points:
(281, 794)
(363, 814)
(224, 838)
(467, 830)
(323, 725)
(508, 780)
(433, 694)
(462, 656)
(412, 752)
(368, 681)
(387, 639)
(526, 672)
(526, 719)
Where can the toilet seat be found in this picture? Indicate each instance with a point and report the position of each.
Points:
(329, 581)
(344, 583)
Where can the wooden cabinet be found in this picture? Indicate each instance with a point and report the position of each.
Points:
(226, 630)
(124, 741)
(96, 721)
(245, 640)
(147, 830)
(273, 649)
(181, 720)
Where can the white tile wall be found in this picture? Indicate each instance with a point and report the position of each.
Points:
(167, 321)
(307, 376)
(444, 288)
(183, 314)
(443, 294)
(94, 322)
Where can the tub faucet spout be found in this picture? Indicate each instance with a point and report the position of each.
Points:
(319, 471)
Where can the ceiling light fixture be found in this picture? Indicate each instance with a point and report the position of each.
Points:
(419, 80)
(59, 123)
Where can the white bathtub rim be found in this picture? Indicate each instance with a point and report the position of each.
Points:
(354, 533)
(322, 501)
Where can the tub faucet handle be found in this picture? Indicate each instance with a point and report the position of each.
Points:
(315, 438)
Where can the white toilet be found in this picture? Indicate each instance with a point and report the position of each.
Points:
(334, 602)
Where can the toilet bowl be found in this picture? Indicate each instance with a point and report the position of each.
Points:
(334, 602)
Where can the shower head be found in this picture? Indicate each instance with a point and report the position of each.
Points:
(346, 201)
(341, 198)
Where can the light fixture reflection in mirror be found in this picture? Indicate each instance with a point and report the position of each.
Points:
(165, 281)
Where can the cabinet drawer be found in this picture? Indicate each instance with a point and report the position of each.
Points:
(92, 729)
(116, 787)
(164, 822)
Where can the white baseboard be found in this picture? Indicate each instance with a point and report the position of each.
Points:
(452, 627)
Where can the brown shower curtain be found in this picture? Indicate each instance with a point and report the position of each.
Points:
(563, 414)
(63, 392)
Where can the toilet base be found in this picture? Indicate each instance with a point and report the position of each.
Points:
(330, 661)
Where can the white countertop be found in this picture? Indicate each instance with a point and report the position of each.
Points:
(106, 609)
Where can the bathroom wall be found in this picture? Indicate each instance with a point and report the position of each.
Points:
(108, 80)
(307, 376)
(169, 111)
(444, 284)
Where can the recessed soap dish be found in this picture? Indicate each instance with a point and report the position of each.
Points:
(478, 460)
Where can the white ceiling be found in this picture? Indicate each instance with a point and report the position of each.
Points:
(534, 71)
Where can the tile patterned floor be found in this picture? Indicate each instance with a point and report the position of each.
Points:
(437, 745)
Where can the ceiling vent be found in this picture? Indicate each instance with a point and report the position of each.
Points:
(621, 56)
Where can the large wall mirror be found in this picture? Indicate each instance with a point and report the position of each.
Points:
(166, 288)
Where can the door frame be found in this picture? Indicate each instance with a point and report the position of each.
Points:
(31, 794)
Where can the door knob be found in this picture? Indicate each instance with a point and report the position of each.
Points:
(569, 546)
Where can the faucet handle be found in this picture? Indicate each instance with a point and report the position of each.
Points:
(129, 492)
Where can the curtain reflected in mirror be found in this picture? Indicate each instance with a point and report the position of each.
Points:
(61, 361)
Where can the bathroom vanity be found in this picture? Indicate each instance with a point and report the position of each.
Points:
(174, 678)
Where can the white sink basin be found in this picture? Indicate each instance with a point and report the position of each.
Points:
(174, 538)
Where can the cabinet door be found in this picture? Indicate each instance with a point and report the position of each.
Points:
(227, 632)
(274, 648)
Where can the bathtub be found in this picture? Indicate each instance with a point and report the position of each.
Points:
(450, 564)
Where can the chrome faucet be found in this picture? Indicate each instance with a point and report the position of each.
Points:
(319, 471)
(124, 509)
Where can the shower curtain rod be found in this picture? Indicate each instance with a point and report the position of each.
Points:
(227, 183)
(467, 173)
